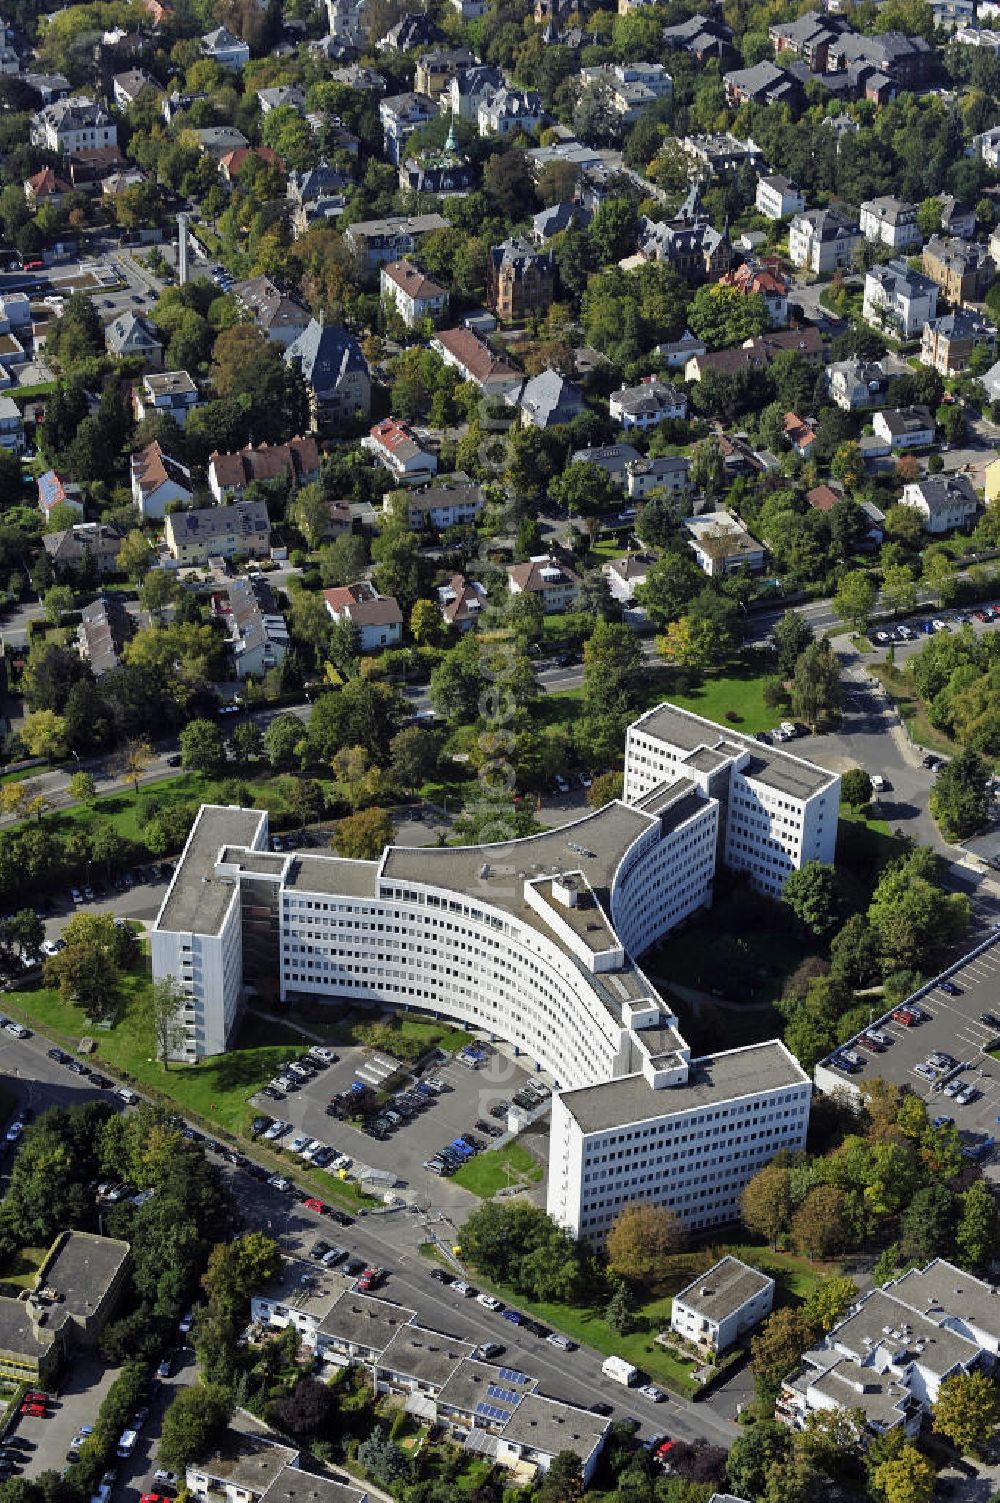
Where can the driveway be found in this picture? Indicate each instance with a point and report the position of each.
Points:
(81, 1394)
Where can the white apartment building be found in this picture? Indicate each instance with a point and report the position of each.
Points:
(722, 1304)
(534, 941)
(899, 300)
(778, 197)
(889, 221)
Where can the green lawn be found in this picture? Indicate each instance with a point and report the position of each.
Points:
(487, 1173)
(24, 1267)
(735, 698)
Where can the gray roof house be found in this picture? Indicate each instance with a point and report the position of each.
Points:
(128, 335)
(548, 399)
(334, 370)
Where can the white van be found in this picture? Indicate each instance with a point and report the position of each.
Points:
(127, 1443)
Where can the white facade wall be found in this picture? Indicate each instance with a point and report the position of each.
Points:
(653, 892)
(209, 967)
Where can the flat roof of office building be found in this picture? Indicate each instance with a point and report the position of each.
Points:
(714, 1077)
(83, 1269)
(769, 765)
(331, 874)
(197, 900)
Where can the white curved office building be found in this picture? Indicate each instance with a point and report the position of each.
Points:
(535, 942)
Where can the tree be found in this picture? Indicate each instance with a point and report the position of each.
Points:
(82, 787)
(777, 1347)
(856, 788)
(306, 1409)
(426, 625)
(363, 836)
(620, 1310)
(87, 977)
(912, 919)
(133, 759)
(816, 683)
(166, 999)
(826, 1301)
(928, 1224)
(670, 586)
(563, 1481)
(961, 796)
(382, 1459)
(976, 1234)
(413, 756)
(201, 746)
(907, 1478)
(754, 1453)
(792, 634)
(248, 742)
(25, 930)
(195, 1421)
(855, 599)
(766, 1203)
(612, 671)
(818, 1226)
(159, 589)
(811, 894)
(135, 554)
(724, 316)
(642, 1236)
(58, 600)
(44, 734)
(967, 1410)
(282, 739)
(605, 787)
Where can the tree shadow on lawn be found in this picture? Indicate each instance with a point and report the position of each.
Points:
(235, 1071)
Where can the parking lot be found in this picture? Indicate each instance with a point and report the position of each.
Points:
(951, 1028)
(467, 1096)
(86, 1383)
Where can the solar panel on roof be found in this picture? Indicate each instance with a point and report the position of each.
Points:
(511, 1375)
(492, 1412)
(505, 1395)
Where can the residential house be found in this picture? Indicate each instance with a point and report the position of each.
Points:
(129, 87)
(442, 172)
(723, 155)
(452, 501)
(762, 279)
(856, 385)
(670, 476)
(807, 37)
(696, 250)
(624, 575)
(241, 1470)
(11, 426)
(401, 115)
(764, 83)
(548, 399)
(823, 497)
(436, 69)
(559, 217)
(962, 269)
(415, 296)
(53, 491)
(316, 195)
(170, 394)
(777, 197)
(476, 362)
(258, 634)
(106, 626)
(722, 545)
(85, 545)
(889, 221)
(554, 583)
(376, 618)
(232, 163)
(907, 62)
(412, 31)
(822, 241)
(758, 352)
(158, 480)
(193, 537)
(462, 602)
(46, 187)
(393, 443)
(278, 315)
(468, 89)
(948, 342)
(676, 353)
(957, 219)
(898, 300)
(225, 49)
(990, 382)
(703, 37)
(630, 88)
(612, 459)
(73, 124)
(217, 141)
(282, 96)
(720, 1307)
(987, 147)
(905, 427)
(336, 374)
(645, 406)
(506, 110)
(520, 280)
(800, 434)
(943, 501)
(230, 474)
(540, 1429)
(392, 238)
(131, 337)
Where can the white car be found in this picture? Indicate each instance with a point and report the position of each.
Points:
(15, 1130)
(296, 1144)
(652, 1392)
(18, 1030)
(51, 946)
(490, 1301)
(277, 1182)
(311, 1149)
(459, 1286)
(274, 1131)
(342, 1161)
(925, 1071)
(124, 1094)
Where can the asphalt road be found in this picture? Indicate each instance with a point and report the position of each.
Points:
(391, 1239)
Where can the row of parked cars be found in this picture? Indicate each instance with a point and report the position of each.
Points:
(298, 1072)
(516, 1317)
(403, 1106)
(875, 1040)
(80, 1067)
(310, 1150)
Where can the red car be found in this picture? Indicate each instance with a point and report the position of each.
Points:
(312, 1204)
(663, 1452)
(872, 1045)
(370, 1278)
(34, 1411)
(154, 1498)
(34, 265)
(902, 1016)
(36, 1397)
